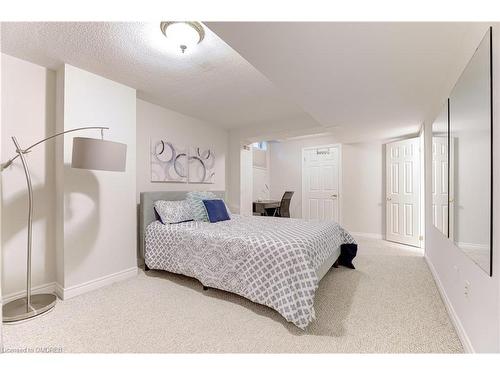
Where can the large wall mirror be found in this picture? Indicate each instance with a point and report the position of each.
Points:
(462, 161)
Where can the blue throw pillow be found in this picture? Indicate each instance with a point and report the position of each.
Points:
(216, 210)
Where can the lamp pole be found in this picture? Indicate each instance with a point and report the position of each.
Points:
(30, 222)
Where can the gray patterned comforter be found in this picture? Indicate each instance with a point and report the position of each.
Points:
(271, 261)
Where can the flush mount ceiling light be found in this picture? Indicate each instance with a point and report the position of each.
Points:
(183, 35)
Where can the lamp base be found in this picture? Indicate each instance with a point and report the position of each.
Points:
(18, 309)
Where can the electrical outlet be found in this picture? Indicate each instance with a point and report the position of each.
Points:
(467, 288)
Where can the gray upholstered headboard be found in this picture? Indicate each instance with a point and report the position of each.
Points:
(147, 213)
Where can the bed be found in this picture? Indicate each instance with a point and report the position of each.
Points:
(273, 261)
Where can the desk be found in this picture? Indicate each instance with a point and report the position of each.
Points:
(266, 207)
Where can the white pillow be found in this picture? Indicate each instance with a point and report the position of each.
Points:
(174, 212)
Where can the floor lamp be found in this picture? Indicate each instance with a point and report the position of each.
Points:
(88, 153)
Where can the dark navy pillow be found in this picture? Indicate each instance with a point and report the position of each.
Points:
(216, 210)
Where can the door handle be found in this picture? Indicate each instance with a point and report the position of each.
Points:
(334, 195)
(389, 198)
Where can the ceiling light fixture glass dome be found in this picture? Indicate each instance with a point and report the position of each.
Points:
(183, 34)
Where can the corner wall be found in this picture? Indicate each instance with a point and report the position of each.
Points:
(28, 112)
(261, 176)
(240, 179)
(98, 217)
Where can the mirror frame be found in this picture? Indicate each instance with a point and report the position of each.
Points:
(491, 150)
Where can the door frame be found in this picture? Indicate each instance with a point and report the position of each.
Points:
(421, 136)
(339, 195)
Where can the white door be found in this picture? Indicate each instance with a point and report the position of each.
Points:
(403, 191)
(440, 183)
(320, 183)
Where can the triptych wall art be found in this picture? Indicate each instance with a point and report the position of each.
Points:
(171, 162)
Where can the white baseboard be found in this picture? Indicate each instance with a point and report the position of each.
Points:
(76, 290)
(44, 288)
(65, 293)
(59, 291)
(462, 335)
(473, 246)
(375, 236)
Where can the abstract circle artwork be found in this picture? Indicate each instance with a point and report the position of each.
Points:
(168, 162)
(173, 163)
(201, 165)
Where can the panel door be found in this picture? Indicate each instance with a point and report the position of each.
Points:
(403, 192)
(321, 183)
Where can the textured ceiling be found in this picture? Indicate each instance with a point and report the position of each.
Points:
(212, 82)
(272, 80)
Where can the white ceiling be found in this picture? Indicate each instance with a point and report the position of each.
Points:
(369, 80)
(358, 81)
(212, 82)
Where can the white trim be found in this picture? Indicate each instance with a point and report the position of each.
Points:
(376, 236)
(76, 290)
(472, 246)
(340, 196)
(462, 335)
(421, 153)
(59, 291)
(44, 288)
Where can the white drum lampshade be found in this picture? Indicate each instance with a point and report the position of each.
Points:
(98, 154)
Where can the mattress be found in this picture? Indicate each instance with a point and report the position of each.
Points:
(273, 261)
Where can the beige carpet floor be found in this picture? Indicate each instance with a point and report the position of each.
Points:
(388, 304)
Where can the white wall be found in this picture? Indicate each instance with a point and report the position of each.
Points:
(1, 247)
(261, 179)
(363, 167)
(363, 180)
(98, 207)
(246, 181)
(157, 122)
(28, 112)
(234, 168)
(240, 187)
(477, 315)
(261, 176)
